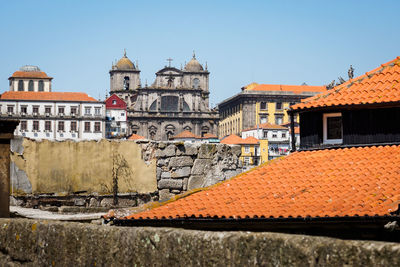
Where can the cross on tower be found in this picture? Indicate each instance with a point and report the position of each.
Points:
(169, 60)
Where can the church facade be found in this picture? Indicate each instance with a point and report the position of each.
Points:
(178, 100)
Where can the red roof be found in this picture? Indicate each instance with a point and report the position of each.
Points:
(47, 96)
(250, 141)
(136, 137)
(232, 139)
(209, 136)
(30, 74)
(114, 102)
(360, 181)
(288, 88)
(186, 134)
(381, 85)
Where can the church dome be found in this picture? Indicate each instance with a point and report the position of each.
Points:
(125, 64)
(30, 68)
(193, 65)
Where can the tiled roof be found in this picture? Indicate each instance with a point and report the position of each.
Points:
(361, 181)
(267, 126)
(287, 88)
(381, 85)
(30, 74)
(47, 96)
(232, 139)
(186, 134)
(250, 141)
(209, 136)
(136, 137)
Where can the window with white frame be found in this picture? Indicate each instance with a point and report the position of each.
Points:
(332, 128)
(97, 111)
(247, 149)
(87, 110)
(246, 161)
(274, 134)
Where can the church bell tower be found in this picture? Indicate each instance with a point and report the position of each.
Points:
(124, 75)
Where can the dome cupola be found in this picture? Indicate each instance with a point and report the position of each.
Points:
(125, 63)
(193, 65)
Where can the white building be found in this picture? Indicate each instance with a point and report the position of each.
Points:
(52, 115)
(30, 78)
(116, 117)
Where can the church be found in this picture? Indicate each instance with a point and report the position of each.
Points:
(178, 100)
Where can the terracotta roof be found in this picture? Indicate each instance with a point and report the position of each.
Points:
(326, 183)
(30, 74)
(136, 137)
(47, 96)
(209, 136)
(292, 88)
(186, 134)
(381, 85)
(250, 141)
(232, 139)
(267, 126)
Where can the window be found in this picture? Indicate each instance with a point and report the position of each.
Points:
(278, 120)
(274, 134)
(246, 149)
(246, 161)
(73, 110)
(30, 85)
(196, 83)
(35, 126)
(332, 128)
(278, 105)
(114, 102)
(97, 111)
(73, 126)
(87, 110)
(263, 105)
(41, 86)
(10, 109)
(47, 110)
(265, 134)
(123, 114)
(61, 110)
(61, 126)
(97, 126)
(263, 118)
(35, 110)
(20, 85)
(126, 83)
(87, 126)
(23, 126)
(47, 125)
(24, 110)
(283, 135)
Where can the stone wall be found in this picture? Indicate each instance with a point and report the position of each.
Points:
(166, 168)
(45, 243)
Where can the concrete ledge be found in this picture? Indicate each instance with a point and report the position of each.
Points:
(44, 243)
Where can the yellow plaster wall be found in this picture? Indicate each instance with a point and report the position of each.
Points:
(231, 118)
(263, 150)
(65, 167)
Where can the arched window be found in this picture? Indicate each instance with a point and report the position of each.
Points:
(126, 83)
(153, 106)
(196, 83)
(185, 106)
(30, 85)
(20, 85)
(169, 103)
(41, 86)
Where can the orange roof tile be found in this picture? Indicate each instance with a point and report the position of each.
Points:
(47, 96)
(267, 126)
(232, 139)
(136, 137)
(30, 74)
(381, 85)
(292, 88)
(186, 134)
(250, 141)
(209, 136)
(326, 183)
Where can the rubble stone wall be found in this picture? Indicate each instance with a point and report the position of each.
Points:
(44, 243)
(145, 167)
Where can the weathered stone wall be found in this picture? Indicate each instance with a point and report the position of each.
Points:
(44, 243)
(167, 168)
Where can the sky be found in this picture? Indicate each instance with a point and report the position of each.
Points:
(273, 42)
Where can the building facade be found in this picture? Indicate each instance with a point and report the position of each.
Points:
(50, 115)
(178, 100)
(116, 122)
(261, 103)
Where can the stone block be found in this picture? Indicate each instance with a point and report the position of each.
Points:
(185, 184)
(191, 149)
(207, 151)
(231, 173)
(169, 151)
(181, 172)
(195, 181)
(165, 194)
(165, 175)
(181, 161)
(162, 145)
(170, 184)
(79, 202)
(236, 150)
(93, 202)
(158, 173)
(201, 166)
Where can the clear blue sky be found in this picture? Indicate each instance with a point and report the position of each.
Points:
(278, 42)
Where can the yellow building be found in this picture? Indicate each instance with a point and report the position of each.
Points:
(251, 152)
(261, 103)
